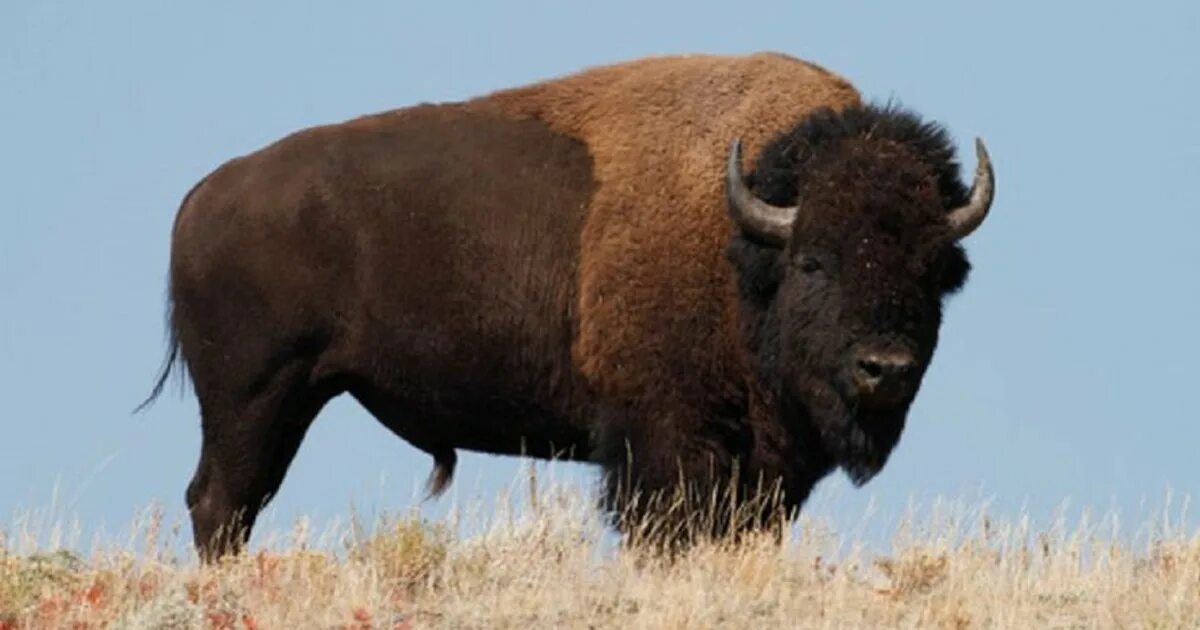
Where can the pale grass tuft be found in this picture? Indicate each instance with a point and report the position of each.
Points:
(553, 563)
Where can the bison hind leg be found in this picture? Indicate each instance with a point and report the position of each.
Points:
(444, 461)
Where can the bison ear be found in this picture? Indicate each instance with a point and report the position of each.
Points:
(954, 269)
(757, 267)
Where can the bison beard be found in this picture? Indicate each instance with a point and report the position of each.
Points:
(576, 269)
(859, 441)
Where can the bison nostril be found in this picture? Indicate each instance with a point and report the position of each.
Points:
(870, 368)
(878, 369)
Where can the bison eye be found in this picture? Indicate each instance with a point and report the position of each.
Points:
(808, 264)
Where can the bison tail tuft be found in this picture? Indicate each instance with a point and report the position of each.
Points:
(172, 358)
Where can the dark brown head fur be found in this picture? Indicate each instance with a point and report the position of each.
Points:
(862, 276)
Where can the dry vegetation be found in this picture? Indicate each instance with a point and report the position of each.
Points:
(551, 564)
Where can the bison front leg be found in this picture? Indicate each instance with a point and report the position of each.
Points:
(671, 483)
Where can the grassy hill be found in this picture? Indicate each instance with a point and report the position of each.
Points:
(552, 564)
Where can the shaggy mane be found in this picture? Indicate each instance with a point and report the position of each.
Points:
(775, 174)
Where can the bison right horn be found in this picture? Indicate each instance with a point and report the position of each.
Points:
(964, 219)
(772, 224)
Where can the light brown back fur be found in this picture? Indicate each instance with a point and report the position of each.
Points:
(652, 259)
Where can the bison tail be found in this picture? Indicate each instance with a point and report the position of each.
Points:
(444, 460)
(172, 358)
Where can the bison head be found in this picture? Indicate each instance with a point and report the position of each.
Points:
(848, 241)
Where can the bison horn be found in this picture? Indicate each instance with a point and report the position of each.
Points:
(754, 216)
(964, 219)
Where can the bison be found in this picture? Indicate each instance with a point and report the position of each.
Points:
(585, 268)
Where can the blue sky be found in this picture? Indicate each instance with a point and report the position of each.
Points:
(1067, 367)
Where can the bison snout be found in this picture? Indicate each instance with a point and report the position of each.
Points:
(882, 376)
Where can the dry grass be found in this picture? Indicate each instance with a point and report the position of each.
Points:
(553, 565)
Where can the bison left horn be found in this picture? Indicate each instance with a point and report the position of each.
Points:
(964, 219)
(757, 218)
